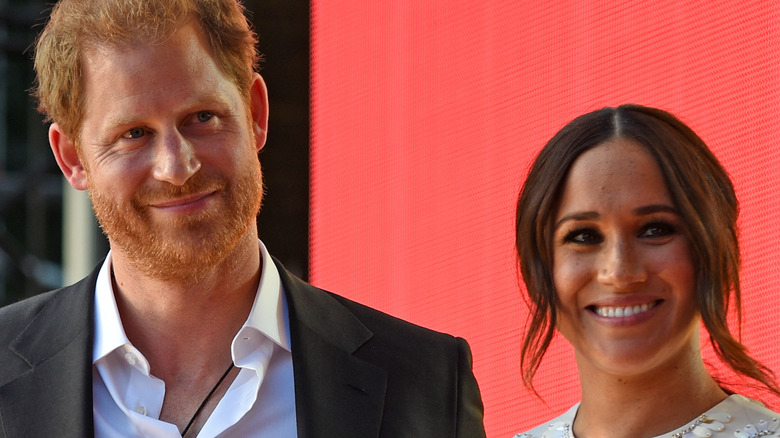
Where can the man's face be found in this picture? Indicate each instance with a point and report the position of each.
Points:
(169, 148)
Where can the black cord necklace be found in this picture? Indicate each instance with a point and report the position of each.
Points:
(203, 403)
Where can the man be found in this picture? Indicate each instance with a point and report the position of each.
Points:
(189, 328)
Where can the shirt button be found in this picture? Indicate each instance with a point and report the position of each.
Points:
(140, 409)
(130, 358)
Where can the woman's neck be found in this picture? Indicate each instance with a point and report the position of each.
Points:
(649, 405)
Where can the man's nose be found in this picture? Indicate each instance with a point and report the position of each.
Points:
(175, 160)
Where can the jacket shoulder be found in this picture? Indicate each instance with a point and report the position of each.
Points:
(383, 326)
(430, 386)
(381, 323)
(50, 318)
(16, 316)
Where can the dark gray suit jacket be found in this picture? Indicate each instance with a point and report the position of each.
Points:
(358, 372)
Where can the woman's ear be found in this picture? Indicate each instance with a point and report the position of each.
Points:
(67, 158)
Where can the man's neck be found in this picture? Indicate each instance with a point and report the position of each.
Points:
(158, 314)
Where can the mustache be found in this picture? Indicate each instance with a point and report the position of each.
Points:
(198, 183)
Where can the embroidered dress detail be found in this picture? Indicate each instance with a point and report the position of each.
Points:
(762, 428)
(559, 429)
(705, 425)
(737, 417)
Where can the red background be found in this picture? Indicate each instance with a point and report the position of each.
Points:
(426, 116)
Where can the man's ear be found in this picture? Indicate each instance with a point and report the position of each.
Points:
(258, 104)
(67, 158)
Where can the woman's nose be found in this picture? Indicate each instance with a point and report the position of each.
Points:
(621, 266)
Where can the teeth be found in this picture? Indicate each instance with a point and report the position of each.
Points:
(620, 312)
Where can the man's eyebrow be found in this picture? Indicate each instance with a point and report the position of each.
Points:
(113, 122)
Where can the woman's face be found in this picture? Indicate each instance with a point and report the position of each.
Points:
(622, 264)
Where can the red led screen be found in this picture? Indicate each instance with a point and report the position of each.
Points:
(425, 118)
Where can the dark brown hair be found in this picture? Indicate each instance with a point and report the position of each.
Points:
(701, 190)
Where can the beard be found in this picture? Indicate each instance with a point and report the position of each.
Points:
(185, 249)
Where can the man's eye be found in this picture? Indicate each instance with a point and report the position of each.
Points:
(135, 133)
(205, 116)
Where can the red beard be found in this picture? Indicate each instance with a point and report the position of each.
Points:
(185, 249)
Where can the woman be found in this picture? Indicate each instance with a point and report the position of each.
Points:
(627, 240)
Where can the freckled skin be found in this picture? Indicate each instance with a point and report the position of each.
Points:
(623, 244)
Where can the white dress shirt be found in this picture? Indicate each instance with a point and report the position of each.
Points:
(260, 402)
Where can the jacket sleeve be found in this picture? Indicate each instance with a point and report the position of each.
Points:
(470, 409)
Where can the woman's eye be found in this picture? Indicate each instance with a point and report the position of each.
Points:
(657, 229)
(135, 133)
(205, 116)
(583, 237)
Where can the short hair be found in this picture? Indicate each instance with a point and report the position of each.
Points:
(75, 26)
(700, 188)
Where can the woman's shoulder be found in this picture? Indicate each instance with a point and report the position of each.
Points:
(747, 417)
(736, 416)
(555, 428)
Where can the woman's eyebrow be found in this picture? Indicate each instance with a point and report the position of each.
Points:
(577, 216)
(655, 208)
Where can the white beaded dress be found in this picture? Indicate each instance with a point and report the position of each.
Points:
(735, 417)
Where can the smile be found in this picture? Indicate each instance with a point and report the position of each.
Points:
(624, 311)
(182, 202)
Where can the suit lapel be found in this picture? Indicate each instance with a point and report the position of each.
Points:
(336, 393)
(57, 387)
